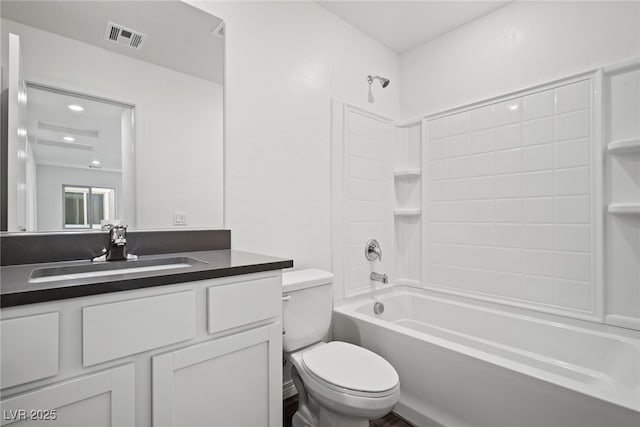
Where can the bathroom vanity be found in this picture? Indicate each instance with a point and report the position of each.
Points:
(193, 345)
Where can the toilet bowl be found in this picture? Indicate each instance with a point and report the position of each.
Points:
(339, 384)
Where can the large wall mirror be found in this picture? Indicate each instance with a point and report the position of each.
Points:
(112, 111)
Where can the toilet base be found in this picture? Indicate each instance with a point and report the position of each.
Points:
(326, 419)
(334, 419)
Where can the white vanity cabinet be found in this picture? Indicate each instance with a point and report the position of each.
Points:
(199, 353)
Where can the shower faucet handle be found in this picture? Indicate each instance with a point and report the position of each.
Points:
(372, 250)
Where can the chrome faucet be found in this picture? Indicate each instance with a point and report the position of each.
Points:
(372, 250)
(116, 249)
(377, 277)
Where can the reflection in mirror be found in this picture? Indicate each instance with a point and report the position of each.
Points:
(75, 144)
(151, 126)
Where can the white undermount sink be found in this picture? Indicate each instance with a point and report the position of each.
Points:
(109, 268)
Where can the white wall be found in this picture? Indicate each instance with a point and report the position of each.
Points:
(284, 63)
(178, 122)
(49, 197)
(516, 46)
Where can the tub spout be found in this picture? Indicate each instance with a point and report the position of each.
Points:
(377, 277)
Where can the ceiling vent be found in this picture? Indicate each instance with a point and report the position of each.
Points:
(124, 36)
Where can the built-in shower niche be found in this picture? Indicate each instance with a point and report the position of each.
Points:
(622, 194)
(407, 203)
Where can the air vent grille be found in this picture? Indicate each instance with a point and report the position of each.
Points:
(124, 36)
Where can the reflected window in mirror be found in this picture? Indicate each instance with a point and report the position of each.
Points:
(88, 207)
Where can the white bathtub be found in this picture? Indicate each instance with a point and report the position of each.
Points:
(467, 365)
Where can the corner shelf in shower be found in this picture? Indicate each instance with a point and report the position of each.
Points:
(407, 212)
(624, 146)
(624, 208)
(408, 173)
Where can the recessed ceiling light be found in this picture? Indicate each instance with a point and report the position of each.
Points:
(96, 162)
(69, 138)
(75, 107)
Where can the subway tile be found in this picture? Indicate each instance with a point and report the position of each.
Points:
(539, 104)
(366, 190)
(437, 190)
(538, 236)
(482, 118)
(539, 289)
(507, 260)
(538, 157)
(574, 181)
(439, 211)
(458, 145)
(539, 131)
(458, 211)
(459, 123)
(572, 153)
(438, 149)
(508, 186)
(508, 161)
(507, 112)
(538, 263)
(508, 210)
(572, 210)
(458, 167)
(537, 184)
(360, 232)
(482, 187)
(507, 235)
(438, 170)
(482, 142)
(480, 234)
(573, 294)
(369, 211)
(576, 238)
(458, 189)
(537, 210)
(481, 210)
(572, 125)
(575, 96)
(506, 137)
(437, 128)
(573, 266)
(370, 169)
(482, 164)
(508, 284)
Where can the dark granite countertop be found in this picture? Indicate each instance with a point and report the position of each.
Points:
(15, 288)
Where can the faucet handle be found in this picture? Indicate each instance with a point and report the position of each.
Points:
(372, 250)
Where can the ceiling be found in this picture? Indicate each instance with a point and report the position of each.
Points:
(96, 131)
(404, 25)
(179, 36)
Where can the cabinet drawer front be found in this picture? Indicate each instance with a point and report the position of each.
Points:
(242, 303)
(29, 348)
(119, 329)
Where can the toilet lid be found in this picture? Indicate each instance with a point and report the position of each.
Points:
(349, 366)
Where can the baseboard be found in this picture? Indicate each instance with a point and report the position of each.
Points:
(288, 390)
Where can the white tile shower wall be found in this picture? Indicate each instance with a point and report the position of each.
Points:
(368, 144)
(509, 200)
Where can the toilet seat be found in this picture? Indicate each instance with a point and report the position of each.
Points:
(350, 369)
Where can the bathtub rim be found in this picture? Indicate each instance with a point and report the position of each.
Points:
(629, 401)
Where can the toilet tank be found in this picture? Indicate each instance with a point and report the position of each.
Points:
(307, 304)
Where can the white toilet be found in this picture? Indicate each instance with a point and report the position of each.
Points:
(347, 385)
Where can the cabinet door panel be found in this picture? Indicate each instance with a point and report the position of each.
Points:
(29, 348)
(234, 380)
(102, 399)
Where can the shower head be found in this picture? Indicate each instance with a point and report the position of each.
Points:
(383, 80)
